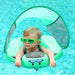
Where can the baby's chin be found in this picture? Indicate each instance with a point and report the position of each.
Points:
(28, 48)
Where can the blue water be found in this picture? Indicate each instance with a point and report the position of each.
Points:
(10, 9)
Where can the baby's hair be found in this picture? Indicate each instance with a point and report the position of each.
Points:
(32, 30)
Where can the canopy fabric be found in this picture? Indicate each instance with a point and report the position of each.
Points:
(45, 14)
(60, 33)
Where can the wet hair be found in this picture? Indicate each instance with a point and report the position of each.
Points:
(32, 30)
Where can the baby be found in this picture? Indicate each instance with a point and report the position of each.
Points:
(31, 42)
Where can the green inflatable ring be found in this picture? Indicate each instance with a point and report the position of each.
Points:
(47, 41)
(56, 25)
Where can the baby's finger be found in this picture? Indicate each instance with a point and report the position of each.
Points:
(50, 65)
(54, 64)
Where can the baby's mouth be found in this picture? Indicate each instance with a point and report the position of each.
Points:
(27, 45)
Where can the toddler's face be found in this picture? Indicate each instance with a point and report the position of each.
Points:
(31, 45)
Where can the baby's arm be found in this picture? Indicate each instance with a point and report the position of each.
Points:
(50, 55)
(18, 57)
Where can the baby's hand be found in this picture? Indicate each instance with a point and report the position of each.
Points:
(18, 63)
(52, 63)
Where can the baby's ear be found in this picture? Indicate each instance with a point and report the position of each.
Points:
(38, 42)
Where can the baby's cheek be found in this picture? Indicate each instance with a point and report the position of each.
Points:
(33, 45)
(23, 43)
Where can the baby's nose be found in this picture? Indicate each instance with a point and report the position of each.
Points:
(26, 41)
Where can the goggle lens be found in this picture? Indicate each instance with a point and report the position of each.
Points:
(31, 41)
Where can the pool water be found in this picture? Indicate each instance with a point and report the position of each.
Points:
(9, 11)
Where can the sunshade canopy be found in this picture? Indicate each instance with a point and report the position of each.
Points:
(51, 19)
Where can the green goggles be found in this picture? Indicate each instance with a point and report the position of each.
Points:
(29, 40)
